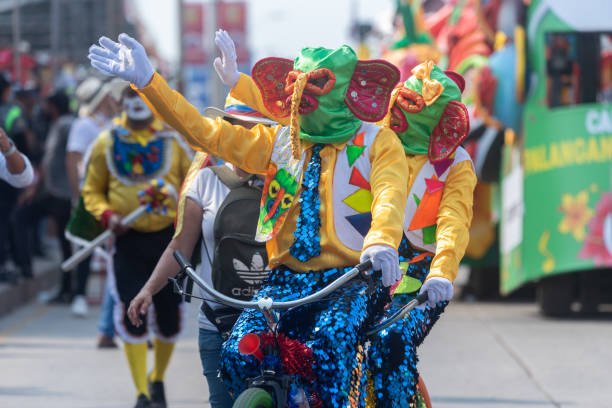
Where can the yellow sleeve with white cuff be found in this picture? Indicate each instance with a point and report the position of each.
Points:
(453, 222)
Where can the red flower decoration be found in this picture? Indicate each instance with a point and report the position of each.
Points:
(594, 247)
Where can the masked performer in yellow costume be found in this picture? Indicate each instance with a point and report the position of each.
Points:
(334, 194)
(427, 115)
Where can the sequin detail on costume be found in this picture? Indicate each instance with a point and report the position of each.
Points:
(334, 329)
(307, 242)
(392, 358)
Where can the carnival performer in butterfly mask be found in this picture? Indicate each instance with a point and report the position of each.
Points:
(427, 115)
(430, 120)
(334, 194)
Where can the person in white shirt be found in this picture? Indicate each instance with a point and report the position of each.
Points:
(15, 168)
(98, 104)
(205, 193)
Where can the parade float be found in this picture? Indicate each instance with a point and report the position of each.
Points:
(556, 205)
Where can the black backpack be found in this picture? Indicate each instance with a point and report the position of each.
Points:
(239, 263)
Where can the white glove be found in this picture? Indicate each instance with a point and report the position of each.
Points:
(438, 289)
(126, 59)
(385, 259)
(226, 66)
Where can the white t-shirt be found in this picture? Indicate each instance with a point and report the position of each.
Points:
(83, 133)
(208, 191)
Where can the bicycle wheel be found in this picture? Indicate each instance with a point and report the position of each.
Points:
(254, 398)
(423, 400)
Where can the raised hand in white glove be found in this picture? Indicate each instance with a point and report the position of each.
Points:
(438, 289)
(385, 259)
(226, 65)
(126, 59)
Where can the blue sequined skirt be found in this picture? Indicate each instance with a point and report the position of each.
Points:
(334, 329)
(392, 358)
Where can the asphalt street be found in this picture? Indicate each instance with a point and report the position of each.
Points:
(496, 355)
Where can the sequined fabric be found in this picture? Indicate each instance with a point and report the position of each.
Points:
(307, 242)
(333, 329)
(392, 357)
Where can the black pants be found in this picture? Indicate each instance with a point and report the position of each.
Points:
(43, 205)
(6, 213)
(136, 254)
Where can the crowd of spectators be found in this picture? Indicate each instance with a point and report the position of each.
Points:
(54, 131)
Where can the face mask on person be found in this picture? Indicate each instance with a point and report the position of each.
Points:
(136, 109)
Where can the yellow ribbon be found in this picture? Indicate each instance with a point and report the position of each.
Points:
(294, 130)
(432, 89)
(386, 122)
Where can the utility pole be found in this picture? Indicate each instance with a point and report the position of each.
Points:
(110, 19)
(181, 45)
(218, 94)
(55, 40)
(16, 23)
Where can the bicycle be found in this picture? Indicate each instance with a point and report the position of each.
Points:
(271, 388)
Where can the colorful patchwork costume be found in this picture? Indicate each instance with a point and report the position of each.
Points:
(123, 162)
(431, 122)
(335, 190)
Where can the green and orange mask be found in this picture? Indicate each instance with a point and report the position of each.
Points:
(326, 92)
(427, 113)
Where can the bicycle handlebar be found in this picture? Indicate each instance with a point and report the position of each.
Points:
(267, 303)
(421, 298)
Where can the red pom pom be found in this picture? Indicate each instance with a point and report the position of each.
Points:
(296, 358)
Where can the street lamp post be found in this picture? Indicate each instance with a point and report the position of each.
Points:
(16, 23)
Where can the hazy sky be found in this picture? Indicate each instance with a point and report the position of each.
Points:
(276, 27)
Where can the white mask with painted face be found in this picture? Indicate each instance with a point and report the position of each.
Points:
(136, 109)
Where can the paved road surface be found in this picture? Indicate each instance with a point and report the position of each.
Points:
(507, 356)
(479, 355)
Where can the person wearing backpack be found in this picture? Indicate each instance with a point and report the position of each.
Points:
(312, 235)
(219, 206)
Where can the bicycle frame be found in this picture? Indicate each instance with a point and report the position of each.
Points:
(269, 379)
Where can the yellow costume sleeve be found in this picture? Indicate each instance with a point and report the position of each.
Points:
(185, 160)
(388, 178)
(454, 218)
(195, 166)
(97, 179)
(249, 149)
(247, 91)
